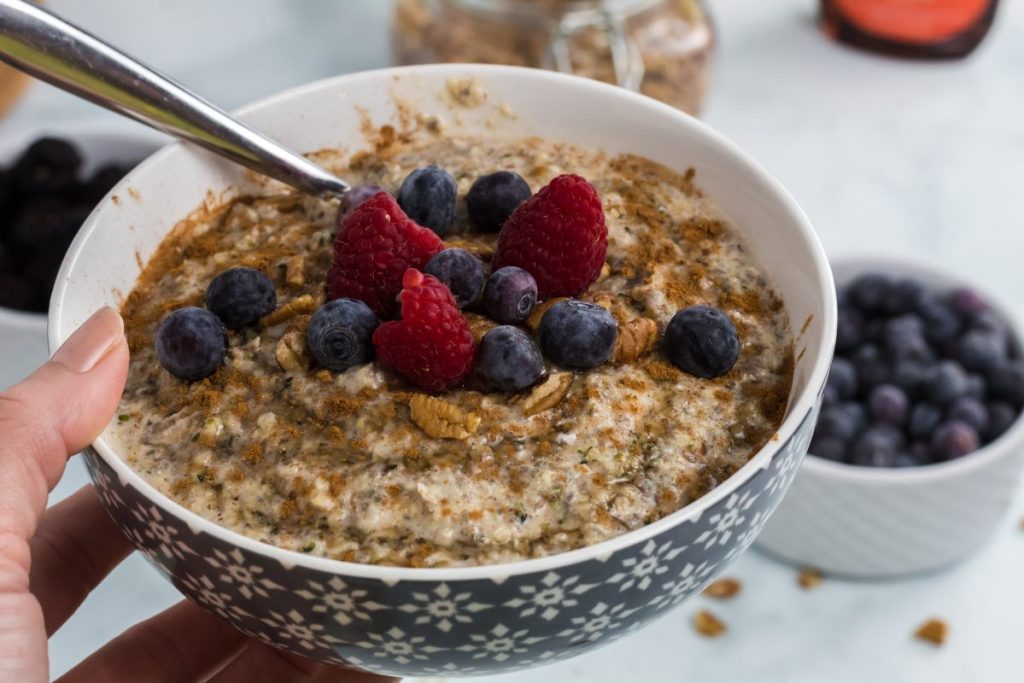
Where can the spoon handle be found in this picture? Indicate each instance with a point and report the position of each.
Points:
(49, 48)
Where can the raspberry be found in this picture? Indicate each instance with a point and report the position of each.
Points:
(558, 235)
(376, 243)
(431, 345)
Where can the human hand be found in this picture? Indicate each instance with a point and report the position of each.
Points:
(51, 559)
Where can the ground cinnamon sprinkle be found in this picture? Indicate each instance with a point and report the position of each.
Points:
(253, 454)
(661, 371)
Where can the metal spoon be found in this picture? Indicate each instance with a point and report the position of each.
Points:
(49, 48)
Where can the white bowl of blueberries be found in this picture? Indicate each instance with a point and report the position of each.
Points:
(919, 447)
(50, 180)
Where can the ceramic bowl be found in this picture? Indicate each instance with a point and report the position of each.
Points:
(473, 620)
(879, 523)
(23, 334)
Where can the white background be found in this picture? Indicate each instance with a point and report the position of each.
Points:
(925, 160)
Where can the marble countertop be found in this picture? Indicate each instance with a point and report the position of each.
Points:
(922, 160)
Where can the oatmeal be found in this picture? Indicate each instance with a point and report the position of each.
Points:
(362, 466)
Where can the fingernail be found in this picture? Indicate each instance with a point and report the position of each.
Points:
(92, 341)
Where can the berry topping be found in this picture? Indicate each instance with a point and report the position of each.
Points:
(578, 335)
(510, 295)
(558, 235)
(190, 343)
(492, 199)
(431, 345)
(374, 246)
(702, 341)
(240, 297)
(461, 271)
(509, 359)
(339, 334)
(954, 439)
(351, 200)
(427, 195)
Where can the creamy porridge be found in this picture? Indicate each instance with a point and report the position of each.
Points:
(352, 465)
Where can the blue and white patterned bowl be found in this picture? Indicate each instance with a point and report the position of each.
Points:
(472, 620)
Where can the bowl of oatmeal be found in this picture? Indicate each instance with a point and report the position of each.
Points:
(368, 480)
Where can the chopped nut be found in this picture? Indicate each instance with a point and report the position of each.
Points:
(606, 270)
(809, 578)
(533, 322)
(479, 325)
(723, 589)
(303, 304)
(708, 625)
(482, 251)
(441, 419)
(933, 631)
(324, 375)
(291, 352)
(212, 429)
(548, 393)
(295, 269)
(636, 338)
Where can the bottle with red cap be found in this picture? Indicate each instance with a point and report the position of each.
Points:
(926, 29)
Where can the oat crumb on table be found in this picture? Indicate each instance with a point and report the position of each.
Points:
(708, 625)
(934, 631)
(810, 578)
(723, 589)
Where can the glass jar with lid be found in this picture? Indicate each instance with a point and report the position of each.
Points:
(658, 47)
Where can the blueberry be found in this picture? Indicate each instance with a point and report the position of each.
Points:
(829, 395)
(340, 332)
(911, 377)
(829, 447)
(966, 303)
(872, 369)
(842, 376)
(903, 339)
(509, 359)
(857, 413)
(888, 404)
(949, 382)
(941, 324)
(906, 459)
(954, 439)
(46, 224)
(427, 195)
(702, 341)
(981, 351)
(510, 295)
(1006, 382)
(977, 387)
(971, 411)
(577, 335)
(877, 447)
(48, 167)
(492, 199)
(849, 329)
(461, 271)
(837, 422)
(241, 296)
(1000, 416)
(924, 418)
(903, 296)
(869, 291)
(190, 343)
(351, 200)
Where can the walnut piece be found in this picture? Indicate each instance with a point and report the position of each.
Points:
(933, 631)
(809, 578)
(303, 304)
(295, 270)
(707, 624)
(723, 589)
(636, 338)
(533, 322)
(441, 419)
(548, 393)
(291, 352)
(479, 325)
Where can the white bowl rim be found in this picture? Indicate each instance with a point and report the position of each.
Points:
(498, 572)
(900, 266)
(13, 318)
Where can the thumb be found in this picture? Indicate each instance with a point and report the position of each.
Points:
(56, 412)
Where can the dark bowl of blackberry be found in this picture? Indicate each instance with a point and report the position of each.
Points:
(918, 451)
(50, 181)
